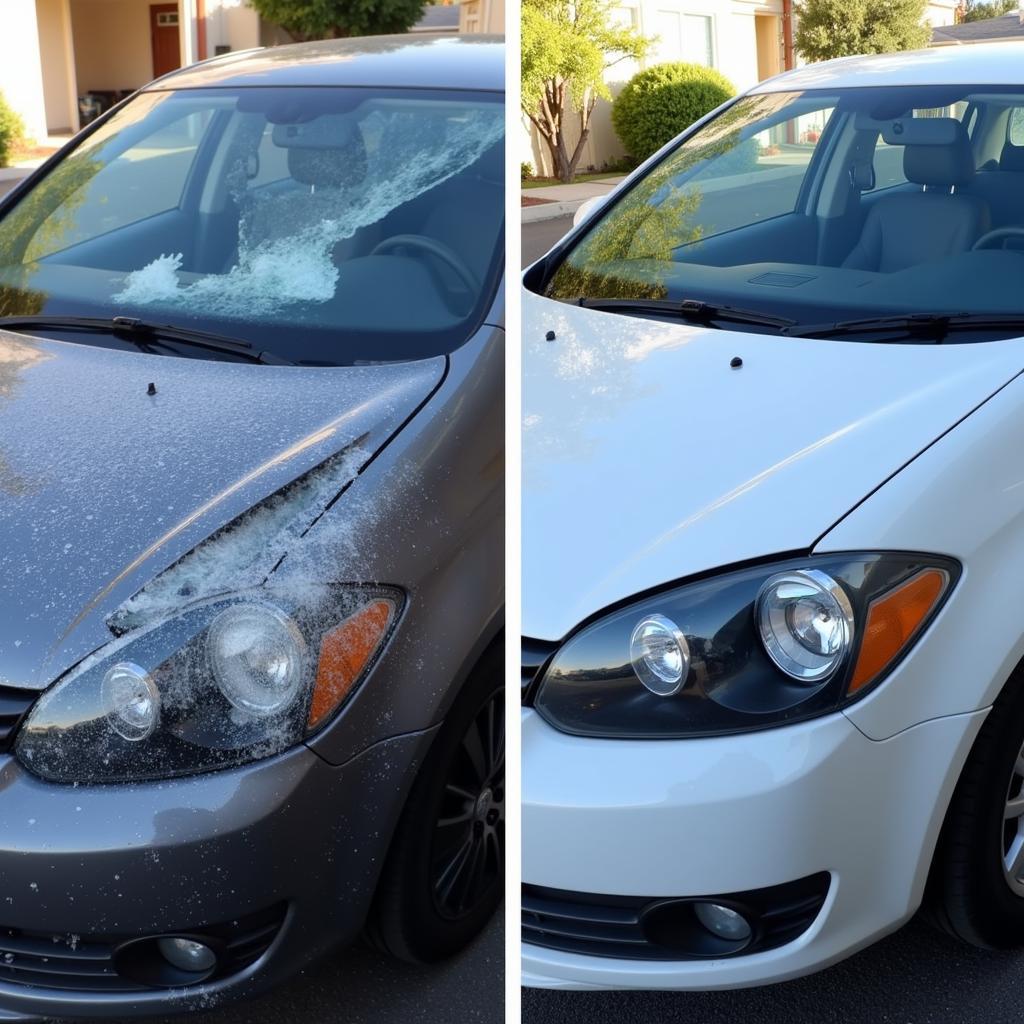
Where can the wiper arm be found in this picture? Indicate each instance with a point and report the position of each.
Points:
(693, 310)
(143, 334)
(930, 325)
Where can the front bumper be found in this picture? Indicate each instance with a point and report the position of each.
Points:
(702, 817)
(89, 866)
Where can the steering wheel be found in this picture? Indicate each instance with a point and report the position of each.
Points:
(434, 248)
(999, 235)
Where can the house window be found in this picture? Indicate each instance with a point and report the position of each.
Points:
(686, 37)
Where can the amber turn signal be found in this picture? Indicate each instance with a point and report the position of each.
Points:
(892, 621)
(345, 652)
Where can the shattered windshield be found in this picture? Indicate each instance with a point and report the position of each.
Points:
(330, 226)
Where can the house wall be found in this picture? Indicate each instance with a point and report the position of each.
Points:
(21, 74)
(482, 16)
(112, 44)
(59, 90)
(231, 23)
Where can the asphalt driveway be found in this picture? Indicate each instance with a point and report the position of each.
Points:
(362, 987)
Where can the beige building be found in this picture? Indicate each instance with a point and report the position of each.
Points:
(482, 16)
(63, 60)
(55, 52)
(747, 40)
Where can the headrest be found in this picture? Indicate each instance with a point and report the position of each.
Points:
(342, 166)
(940, 164)
(937, 150)
(1012, 158)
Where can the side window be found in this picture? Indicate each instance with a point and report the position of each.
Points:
(889, 159)
(775, 160)
(147, 179)
(1015, 129)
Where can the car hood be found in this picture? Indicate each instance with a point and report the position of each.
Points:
(103, 486)
(648, 457)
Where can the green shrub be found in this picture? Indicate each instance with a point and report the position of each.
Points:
(12, 131)
(525, 171)
(657, 104)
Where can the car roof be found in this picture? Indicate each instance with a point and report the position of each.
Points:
(980, 64)
(423, 60)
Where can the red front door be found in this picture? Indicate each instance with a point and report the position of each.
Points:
(163, 27)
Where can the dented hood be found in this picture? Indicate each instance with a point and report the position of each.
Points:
(102, 485)
(647, 457)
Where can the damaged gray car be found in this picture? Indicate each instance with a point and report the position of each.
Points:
(251, 528)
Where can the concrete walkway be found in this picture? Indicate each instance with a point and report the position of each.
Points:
(565, 200)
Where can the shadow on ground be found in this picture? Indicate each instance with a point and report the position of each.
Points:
(362, 987)
(917, 976)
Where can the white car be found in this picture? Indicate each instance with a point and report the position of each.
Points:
(773, 536)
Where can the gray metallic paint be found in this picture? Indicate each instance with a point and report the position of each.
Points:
(313, 825)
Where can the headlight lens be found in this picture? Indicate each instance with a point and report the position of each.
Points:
(745, 649)
(258, 658)
(806, 623)
(660, 655)
(222, 683)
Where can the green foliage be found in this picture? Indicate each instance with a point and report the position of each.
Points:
(330, 19)
(843, 28)
(657, 104)
(566, 49)
(525, 171)
(982, 10)
(12, 131)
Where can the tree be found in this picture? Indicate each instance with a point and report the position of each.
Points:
(980, 10)
(843, 28)
(566, 49)
(333, 19)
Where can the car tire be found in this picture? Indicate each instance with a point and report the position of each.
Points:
(428, 903)
(971, 895)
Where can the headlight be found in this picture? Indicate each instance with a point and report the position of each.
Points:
(222, 683)
(745, 649)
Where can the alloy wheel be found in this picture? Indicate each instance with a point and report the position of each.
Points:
(1013, 829)
(469, 836)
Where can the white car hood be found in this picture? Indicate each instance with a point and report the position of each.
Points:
(647, 457)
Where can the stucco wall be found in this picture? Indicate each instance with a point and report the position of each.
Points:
(54, 46)
(112, 44)
(21, 76)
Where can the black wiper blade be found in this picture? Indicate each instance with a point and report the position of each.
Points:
(144, 334)
(694, 310)
(929, 325)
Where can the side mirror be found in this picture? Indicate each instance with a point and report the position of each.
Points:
(585, 209)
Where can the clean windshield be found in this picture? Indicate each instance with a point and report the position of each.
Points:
(327, 226)
(819, 208)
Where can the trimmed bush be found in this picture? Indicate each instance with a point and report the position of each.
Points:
(12, 130)
(657, 104)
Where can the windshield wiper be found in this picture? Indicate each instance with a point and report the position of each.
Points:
(144, 334)
(693, 310)
(933, 326)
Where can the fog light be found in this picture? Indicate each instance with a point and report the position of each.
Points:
(722, 921)
(187, 954)
(660, 655)
(131, 700)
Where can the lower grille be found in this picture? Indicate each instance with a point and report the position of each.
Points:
(14, 705)
(88, 963)
(660, 928)
(59, 961)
